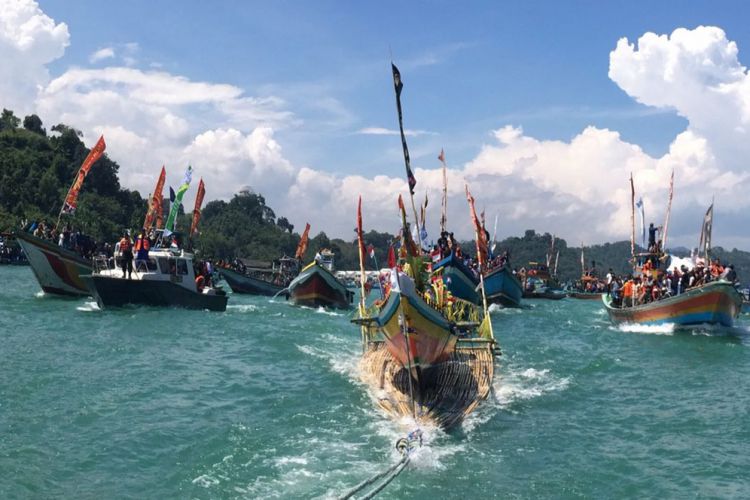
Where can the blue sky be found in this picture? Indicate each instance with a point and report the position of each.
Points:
(469, 69)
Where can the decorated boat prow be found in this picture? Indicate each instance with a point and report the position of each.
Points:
(58, 270)
(716, 302)
(316, 286)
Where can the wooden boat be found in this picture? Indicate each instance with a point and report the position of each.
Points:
(168, 280)
(458, 279)
(268, 280)
(716, 302)
(539, 284)
(316, 286)
(57, 269)
(502, 287)
(451, 364)
(449, 392)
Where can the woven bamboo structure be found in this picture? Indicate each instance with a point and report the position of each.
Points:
(449, 391)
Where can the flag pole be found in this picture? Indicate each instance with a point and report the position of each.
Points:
(362, 274)
(669, 209)
(481, 263)
(444, 215)
(632, 221)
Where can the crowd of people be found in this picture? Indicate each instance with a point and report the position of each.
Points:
(67, 237)
(653, 284)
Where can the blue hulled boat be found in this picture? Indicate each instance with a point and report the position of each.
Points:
(503, 287)
(458, 279)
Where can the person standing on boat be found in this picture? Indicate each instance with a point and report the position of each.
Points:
(142, 246)
(126, 255)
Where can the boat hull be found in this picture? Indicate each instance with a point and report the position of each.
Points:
(449, 391)
(585, 296)
(117, 292)
(458, 279)
(430, 341)
(316, 287)
(716, 303)
(502, 287)
(239, 283)
(57, 270)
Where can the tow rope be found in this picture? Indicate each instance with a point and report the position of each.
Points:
(405, 446)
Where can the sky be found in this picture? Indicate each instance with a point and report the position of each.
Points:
(543, 108)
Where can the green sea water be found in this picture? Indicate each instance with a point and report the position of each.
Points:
(264, 401)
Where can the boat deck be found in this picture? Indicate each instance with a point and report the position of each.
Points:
(450, 390)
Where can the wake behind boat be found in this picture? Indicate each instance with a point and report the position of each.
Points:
(167, 279)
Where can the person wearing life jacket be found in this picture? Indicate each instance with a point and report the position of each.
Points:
(200, 283)
(126, 255)
(142, 246)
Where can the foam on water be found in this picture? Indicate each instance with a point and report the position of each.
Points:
(664, 329)
(498, 309)
(89, 306)
(243, 308)
(515, 384)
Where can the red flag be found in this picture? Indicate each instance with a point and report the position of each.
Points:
(155, 202)
(442, 156)
(360, 238)
(71, 200)
(371, 251)
(302, 247)
(391, 257)
(197, 209)
(481, 237)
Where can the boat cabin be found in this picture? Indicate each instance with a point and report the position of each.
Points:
(325, 259)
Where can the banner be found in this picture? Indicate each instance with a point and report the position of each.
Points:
(197, 209)
(71, 200)
(171, 219)
(154, 207)
(704, 245)
(481, 235)
(398, 85)
(642, 212)
(302, 247)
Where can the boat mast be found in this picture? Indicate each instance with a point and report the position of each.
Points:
(669, 209)
(362, 274)
(632, 221)
(444, 215)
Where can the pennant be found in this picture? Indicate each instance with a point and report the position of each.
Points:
(371, 251)
(155, 208)
(441, 156)
(197, 209)
(360, 237)
(398, 85)
(302, 246)
(71, 200)
(481, 237)
(177, 202)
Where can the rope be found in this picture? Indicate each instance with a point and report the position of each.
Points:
(404, 445)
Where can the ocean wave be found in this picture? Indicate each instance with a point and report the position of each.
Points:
(497, 308)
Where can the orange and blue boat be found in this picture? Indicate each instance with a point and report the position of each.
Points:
(716, 302)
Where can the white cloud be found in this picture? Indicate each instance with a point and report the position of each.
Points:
(577, 189)
(387, 131)
(29, 39)
(101, 54)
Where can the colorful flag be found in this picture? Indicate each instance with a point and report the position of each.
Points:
(391, 257)
(197, 209)
(71, 200)
(398, 85)
(371, 251)
(172, 218)
(154, 208)
(302, 246)
(481, 236)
